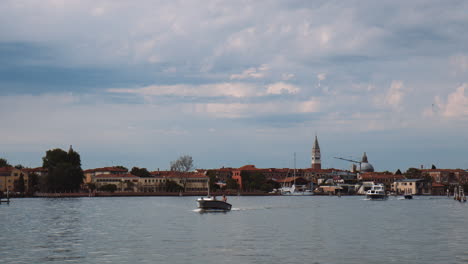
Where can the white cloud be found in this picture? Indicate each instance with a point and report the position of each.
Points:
(206, 90)
(454, 108)
(254, 73)
(393, 98)
(282, 88)
(321, 76)
(457, 103)
(237, 90)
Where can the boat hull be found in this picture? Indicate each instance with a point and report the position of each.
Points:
(377, 196)
(213, 205)
(408, 196)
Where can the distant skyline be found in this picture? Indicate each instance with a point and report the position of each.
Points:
(235, 82)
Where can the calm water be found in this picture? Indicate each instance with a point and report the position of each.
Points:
(258, 230)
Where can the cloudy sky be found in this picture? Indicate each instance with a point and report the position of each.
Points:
(139, 83)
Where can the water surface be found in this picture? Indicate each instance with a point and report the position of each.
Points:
(313, 229)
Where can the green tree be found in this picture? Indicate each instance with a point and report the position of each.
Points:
(4, 163)
(413, 173)
(91, 186)
(252, 181)
(433, 167)
(65, 173)
(108, 188)
(398, 172)
(212, 180)
(172, 186)
(19, 184)
(143, 172)
(33, 182)
(232, 184)
(121, 167)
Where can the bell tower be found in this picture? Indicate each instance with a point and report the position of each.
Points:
(316, 162)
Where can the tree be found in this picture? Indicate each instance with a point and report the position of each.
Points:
(121, 167)
(19, 184)
(232, 184)
(413, 173)
(182, 164)
(19, 167)
(172, 186)
(33, 182)
(253, 181)
(398, 172)
(65, 173)
(108, 188)
(143, 172)
(4, 163)
(433, 167)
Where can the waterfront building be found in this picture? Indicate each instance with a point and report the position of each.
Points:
(447, 176)
(411, 186)
(10, 177)
(381, 177)
(92, 173)
(189, 181)
(123, 182)
(316, 162)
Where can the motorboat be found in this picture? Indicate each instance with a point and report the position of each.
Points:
(408, 196)
(377, 192)
(210, 203)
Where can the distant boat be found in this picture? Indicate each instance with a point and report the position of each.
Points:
(377, 192)
(295, 189)
(408, 195)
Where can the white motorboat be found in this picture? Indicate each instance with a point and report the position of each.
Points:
(377, 192)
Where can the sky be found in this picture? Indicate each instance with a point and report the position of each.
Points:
(140, 83)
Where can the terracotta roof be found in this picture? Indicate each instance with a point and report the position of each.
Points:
(177, 174)
(6, 169)
(289, 179)
(103, 176)
(437, 185)
(248, 167)
(374, 175)
(443, 170)
(105, 169)
(38, 169)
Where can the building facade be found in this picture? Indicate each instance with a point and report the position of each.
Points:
(10, 180)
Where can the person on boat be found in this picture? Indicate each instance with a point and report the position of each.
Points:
(224, 198)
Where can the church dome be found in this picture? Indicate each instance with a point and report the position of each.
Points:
(365, 165)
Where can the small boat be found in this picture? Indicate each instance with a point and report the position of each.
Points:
(408, 194)
(377, 192)
(210, 203)
(295, 189)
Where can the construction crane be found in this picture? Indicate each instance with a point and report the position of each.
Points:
(354, 161)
